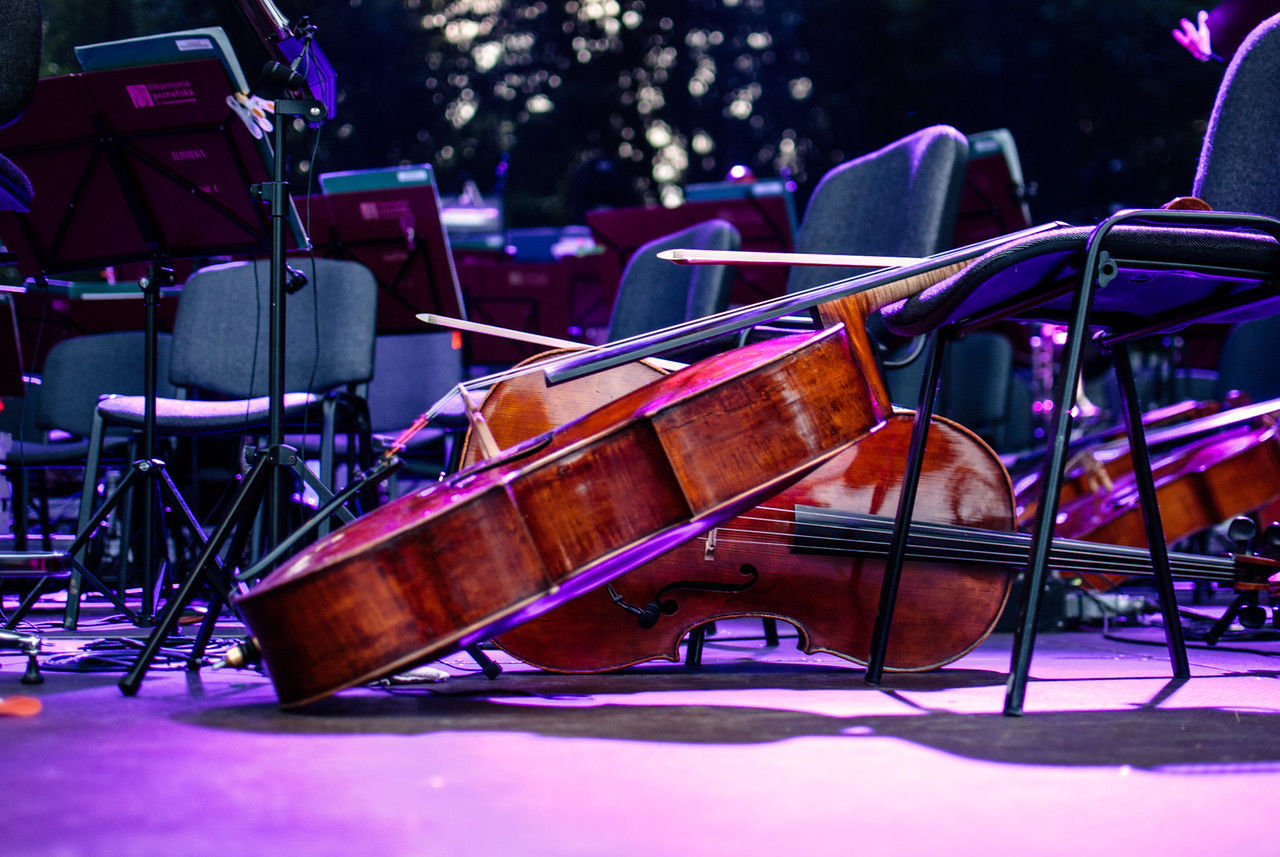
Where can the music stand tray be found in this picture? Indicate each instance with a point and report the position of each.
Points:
(764, 221)
(394, 230)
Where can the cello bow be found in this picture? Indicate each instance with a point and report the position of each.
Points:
(873, 289)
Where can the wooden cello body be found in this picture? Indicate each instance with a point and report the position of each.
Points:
(751, 566)
(500, 542)
(505, 540)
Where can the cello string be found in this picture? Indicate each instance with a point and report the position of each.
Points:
(944, 534)
(943, 542)
(877, 548)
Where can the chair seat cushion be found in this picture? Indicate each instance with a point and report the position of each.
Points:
(47, 453)
(179, 416)
(1165, 273)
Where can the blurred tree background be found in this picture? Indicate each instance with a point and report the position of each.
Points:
(561, 105)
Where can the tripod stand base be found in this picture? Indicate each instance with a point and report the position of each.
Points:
(49, 566)
(140, 472)
(233, 531)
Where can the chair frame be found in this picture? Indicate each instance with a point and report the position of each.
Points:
(1098, 269)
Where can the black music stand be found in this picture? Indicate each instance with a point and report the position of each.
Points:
(143, 164)
(764, 221)
(264, 480)
(397, 234)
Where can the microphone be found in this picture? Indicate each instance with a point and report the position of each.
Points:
(243, 655)
(289, 77)
(285, 76)
(294, 280)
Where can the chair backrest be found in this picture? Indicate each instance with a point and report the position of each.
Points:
(977, 374)
(1247, 362)
(411, 372)
(654, 293)
(77, 371)
(901, 200)
(18, 414)
(221, 332)
(1239, 168)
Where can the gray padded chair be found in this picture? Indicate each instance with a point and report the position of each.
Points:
(1240, 156)
(76, 373)
(1247, 363)
(1239, 170)
(220, 353)
(653, 293)
(411, 372)
(900, 200)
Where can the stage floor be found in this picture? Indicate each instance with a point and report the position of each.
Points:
(761, 750)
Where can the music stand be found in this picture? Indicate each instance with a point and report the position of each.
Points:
(763, 220)
(264, 477)
(142, 164)
(397, 234)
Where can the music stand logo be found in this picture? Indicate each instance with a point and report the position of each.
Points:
(140, 95)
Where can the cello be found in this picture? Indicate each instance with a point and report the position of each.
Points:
(813, 556)
(498, 543)
(507, 539)
(1198, 486)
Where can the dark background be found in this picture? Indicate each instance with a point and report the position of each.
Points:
(569, 100)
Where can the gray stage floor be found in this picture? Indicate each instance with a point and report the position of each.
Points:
(761, 751)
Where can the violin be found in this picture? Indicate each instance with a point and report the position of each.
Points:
(548, 519)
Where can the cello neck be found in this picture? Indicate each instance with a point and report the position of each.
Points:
(856, 307)
(852, 311)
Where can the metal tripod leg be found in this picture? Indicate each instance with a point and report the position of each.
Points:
(261, 482)
(42, 585)
(1142, 474)
(141, 472)
(237, 521)
(906, 506)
